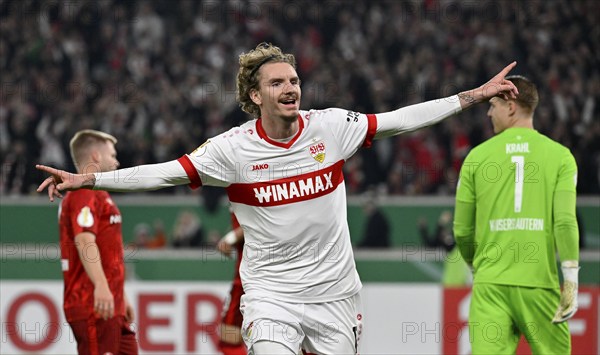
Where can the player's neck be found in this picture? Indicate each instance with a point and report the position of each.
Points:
(280, 128)
(523, 123)
(87, 167)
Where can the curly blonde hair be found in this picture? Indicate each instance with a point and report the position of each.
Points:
(250, 63)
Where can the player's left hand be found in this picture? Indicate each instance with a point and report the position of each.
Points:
(496, 86)
(499, 86)
(568, 302)
(225, 245)
(568, 297)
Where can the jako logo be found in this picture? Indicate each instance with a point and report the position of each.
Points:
(260, 167)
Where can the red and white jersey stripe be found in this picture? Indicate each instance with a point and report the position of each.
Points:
(290, 199)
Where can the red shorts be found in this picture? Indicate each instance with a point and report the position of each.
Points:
(99, 336)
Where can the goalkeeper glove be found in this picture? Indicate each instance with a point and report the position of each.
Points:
(568, 296)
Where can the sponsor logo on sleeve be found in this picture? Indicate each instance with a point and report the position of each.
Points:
(352, 116)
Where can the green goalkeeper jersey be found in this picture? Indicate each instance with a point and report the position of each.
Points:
(507, 208)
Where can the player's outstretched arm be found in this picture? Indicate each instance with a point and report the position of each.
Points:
(427, 113)
(496, 86)
(138, 178)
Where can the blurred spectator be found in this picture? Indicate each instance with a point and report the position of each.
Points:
(377, 229)
(442, 237)
(188, 231)
(156, 74)
(456, 271)
(141, 235)
(147, 238)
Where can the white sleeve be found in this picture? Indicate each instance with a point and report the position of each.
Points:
(143, 177)
(417, 116)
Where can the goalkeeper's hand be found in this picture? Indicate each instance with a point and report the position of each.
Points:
(568, 296)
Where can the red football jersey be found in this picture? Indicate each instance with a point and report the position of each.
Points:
(240, 250)
(94, 212)
(231, 310)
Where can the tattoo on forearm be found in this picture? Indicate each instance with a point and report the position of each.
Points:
(90, 181)
(467, 97)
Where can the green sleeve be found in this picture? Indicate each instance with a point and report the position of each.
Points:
(464, 229)
(566, 233)
(464, 212)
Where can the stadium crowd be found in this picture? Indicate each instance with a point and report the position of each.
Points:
(159, 76)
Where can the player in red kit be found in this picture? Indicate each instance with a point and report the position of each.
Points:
(231, 342)
(91, 244)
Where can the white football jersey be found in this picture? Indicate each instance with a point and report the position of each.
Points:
(290, 200)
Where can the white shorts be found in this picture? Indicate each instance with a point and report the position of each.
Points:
(318, 328)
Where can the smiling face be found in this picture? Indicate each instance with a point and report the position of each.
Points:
(278, 93)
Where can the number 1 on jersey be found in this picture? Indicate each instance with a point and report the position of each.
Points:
(519, 161)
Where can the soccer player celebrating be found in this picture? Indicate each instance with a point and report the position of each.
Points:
(91, 246)
(515, 206)
(283, 174)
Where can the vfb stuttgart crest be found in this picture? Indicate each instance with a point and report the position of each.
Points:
(317, 151)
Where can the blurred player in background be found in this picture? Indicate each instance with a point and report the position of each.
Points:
(515, 206)
(91, 245)
(456, 271)
(230, 331)
(283, 175)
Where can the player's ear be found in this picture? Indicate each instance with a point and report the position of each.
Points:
(95, 155)
(512, 107)
(255, 96)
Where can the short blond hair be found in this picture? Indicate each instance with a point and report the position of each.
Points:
(528, 97)
(85, 139)
(250, 63)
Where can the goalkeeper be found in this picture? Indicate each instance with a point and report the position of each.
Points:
(515, 206)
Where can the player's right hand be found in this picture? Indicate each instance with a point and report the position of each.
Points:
(62, 181)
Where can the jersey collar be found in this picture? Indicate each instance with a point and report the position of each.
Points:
(286, 145)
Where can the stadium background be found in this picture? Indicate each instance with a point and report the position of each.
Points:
(160, 76)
